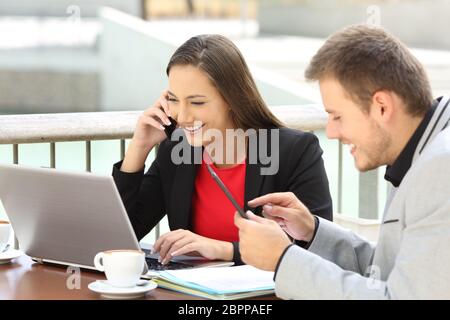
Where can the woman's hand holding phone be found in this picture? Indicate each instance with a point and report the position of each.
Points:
(149, 131)
(150, 126)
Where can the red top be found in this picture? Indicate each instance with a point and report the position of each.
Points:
(213, 213)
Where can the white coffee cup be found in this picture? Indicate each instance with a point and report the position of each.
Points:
(5, 231)
(122, 268)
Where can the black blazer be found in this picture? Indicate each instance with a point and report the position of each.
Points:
(167, 188)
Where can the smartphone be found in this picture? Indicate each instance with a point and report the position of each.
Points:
(226, 191)
(169, 129)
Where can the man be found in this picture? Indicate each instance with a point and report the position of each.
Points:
(379, 103)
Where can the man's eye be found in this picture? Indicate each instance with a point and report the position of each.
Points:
(336, 118)
(171, 99)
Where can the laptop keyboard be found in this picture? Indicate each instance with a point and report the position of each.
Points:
(154, 264)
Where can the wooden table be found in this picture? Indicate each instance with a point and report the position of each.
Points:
(24, 279)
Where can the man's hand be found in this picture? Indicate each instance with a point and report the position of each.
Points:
(261, 241)
(181, 242)
(285, 209)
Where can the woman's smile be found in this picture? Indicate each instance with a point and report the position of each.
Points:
(194, 128)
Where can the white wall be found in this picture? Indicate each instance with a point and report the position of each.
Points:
(416, 22)
(88, 8)
(132, 62)
(133, 57)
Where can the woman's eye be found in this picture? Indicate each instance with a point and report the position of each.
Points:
(336, 118)
(171, 100)
(197, 103)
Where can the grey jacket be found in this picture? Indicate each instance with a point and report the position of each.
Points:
(412, 257)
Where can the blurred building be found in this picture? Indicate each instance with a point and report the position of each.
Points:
(49, 59)
(69, 55)
(418, 23)
(64, 56)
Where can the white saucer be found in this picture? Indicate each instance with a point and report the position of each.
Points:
(8, 256)
(108, 291)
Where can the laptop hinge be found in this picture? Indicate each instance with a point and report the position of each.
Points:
(38, 260)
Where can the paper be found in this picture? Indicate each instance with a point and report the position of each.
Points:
(222, 280)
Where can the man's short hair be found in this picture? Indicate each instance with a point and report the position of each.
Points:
(366, 59)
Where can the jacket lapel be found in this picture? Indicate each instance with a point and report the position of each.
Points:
(254, 180)
(253, 183)
(182, 191)
(438, 122)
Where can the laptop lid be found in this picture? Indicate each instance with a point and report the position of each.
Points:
(64, 217)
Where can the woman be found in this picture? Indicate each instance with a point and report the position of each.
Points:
(212, 90)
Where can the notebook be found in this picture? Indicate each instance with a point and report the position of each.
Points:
(221, 283)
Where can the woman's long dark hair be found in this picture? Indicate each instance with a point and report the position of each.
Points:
(225, 66)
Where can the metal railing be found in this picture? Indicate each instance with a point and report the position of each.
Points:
(65, 127)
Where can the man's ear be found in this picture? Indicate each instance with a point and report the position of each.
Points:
(382, 107)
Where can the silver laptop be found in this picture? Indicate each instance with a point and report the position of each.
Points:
(66, 218)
